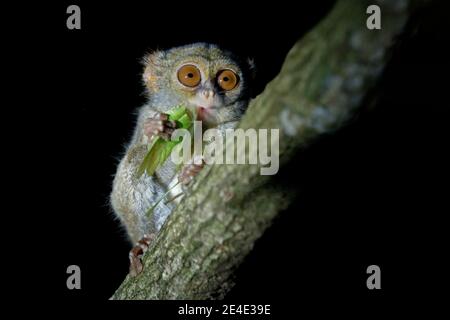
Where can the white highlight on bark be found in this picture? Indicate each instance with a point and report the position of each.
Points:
(290, 122)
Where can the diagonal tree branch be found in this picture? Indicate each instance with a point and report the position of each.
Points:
(323, 80)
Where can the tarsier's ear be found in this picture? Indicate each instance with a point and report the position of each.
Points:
(251, 67)
(152, 62)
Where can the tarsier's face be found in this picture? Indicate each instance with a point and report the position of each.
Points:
(207, 87)
(200, 76)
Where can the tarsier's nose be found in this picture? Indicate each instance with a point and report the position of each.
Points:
(207, 93)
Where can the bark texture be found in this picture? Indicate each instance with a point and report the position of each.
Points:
(323, 80)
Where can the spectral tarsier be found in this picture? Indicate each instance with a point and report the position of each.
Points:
(200, 76)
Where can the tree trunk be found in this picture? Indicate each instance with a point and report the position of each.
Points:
(323, 80)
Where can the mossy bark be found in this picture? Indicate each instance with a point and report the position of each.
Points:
(323, 80)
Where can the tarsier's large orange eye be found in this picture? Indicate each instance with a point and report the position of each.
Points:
(227, 80)
(189, 75)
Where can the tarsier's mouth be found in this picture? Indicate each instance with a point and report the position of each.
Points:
(204, 113)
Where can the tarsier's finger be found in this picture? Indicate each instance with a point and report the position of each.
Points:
(151, 131)
(164, 135)
(197, 167)
(170, 124)
(136, 266)
(135, 261)
(150, 121)
(184, 179)
(163, 128)
(169, 130)
(136, 254)
(162, 116)
(189, 172)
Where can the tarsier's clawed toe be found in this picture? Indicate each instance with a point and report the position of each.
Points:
(189, 172)
(160, 126)
(136, 254)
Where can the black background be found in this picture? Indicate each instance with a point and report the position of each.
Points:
(370, 194)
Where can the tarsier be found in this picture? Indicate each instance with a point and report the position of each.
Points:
(201, 76)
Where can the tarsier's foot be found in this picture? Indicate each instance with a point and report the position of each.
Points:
(189, 171)
(160, 125)
(136, 254)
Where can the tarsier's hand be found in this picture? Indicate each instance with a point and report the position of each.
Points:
(189, 171)
(160, 125)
